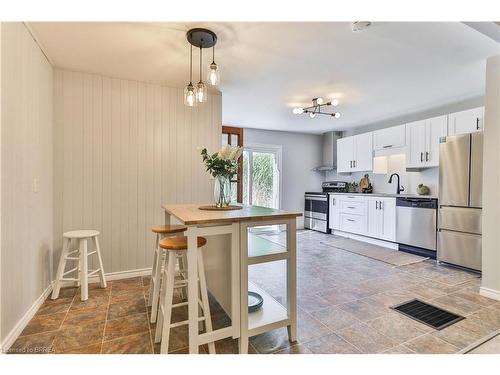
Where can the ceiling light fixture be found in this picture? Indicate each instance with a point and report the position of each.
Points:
(315, 109)
(200, 38)
(360, 25)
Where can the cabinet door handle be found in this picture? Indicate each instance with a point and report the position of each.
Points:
(387, 146)
(354, 162)
(380, 205)
(350, 220)
(376, 205)
(350, 163)
(426, 156)
(421, 157)
(477, 123)
(352, 208)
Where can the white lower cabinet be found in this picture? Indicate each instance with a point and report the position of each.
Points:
(334, 212)
(352, 223)
(381, 218)
(372, 216)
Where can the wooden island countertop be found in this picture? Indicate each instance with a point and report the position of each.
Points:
(190, 214)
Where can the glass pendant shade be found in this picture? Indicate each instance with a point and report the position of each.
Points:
(190, 95)
(201, 92)
(213, 76)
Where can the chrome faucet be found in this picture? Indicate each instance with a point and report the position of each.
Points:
(399, 188)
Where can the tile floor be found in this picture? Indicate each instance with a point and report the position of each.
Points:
(343, 307)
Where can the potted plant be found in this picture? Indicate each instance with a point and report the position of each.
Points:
(222, 165)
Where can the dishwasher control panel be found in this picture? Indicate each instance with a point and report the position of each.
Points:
(417, 202)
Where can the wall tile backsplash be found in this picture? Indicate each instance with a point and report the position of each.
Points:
(395, 164)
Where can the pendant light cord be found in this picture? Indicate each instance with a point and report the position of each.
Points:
(213, 50)
(191, 66)
(201, 58)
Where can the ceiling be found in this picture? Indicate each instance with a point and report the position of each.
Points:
(385, 71)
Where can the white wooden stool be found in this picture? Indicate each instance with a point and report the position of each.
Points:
(176, 247)
(161, 231)
(81, 255)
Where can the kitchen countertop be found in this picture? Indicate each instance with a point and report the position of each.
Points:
(391, 195)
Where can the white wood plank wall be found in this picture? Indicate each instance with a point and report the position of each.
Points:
(26, 147)
(122, 149)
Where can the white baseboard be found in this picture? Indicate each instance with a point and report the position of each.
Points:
(370, 240)
(489, 293)
(23, 322)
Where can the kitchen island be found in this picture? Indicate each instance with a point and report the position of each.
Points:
(230, 250)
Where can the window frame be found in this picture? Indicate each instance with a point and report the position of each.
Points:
(233, 130)
(270, 148)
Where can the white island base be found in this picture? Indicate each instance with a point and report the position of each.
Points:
(227, 256)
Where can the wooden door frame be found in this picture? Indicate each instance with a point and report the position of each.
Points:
(239, 182)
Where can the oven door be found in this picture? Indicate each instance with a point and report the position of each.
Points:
(316, 206)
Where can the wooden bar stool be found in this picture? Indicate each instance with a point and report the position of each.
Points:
(161, 232)
(81, 255)
(176, 247)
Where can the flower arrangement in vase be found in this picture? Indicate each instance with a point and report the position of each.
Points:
(222, 165)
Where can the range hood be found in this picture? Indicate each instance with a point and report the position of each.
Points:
(329, 152)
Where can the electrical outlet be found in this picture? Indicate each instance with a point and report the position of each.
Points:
(36, 185)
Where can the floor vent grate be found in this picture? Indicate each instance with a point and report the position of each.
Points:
(427, 314)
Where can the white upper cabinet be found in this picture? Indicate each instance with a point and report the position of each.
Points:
(421, 139)
(363, 148)
(422, 142)
(435, 128)
(345, 154)
(388, 138)
(415, 144)
(355, 154)
(469, 121)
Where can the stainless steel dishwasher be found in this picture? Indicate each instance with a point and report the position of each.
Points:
(416, 225)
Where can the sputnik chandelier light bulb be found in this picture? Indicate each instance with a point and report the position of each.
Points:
(316, 109)
(200, 38)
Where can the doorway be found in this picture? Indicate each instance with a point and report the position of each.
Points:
(262, 175)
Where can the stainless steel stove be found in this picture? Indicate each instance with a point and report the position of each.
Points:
(316, 206)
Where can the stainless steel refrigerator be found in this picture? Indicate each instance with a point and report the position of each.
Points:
(460, 200)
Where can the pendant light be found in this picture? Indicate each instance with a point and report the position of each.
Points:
(189, 90)
(213, 70)
(201, 89)
(200, 38)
